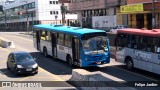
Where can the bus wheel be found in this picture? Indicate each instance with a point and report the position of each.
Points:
(129, 64)
(70, 61)
(45, 52)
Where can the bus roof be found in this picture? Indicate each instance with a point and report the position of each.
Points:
(145, 32)
(66, 29)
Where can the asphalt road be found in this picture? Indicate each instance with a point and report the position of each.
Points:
(53, 69)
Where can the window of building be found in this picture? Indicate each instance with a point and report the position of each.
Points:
(33, 5)
(56, 2)
(51, 12)
(50, 2)
(53, 2)
(56, 12)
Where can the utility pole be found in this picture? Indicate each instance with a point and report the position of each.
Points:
(63, 13)
(153, 14)
(56, 18)
(26, 10)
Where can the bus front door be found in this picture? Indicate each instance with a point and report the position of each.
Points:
(38, 39)
(54, 44)
(76, 50)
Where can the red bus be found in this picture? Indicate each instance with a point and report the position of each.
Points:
(139, 48)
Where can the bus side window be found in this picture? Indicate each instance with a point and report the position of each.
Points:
(48, 36)
(68, 40)
(133, 41)
(121, 40)
(149, 45)
(43, 35)
(143, 43)
(158, 49)
(61, 39)
(156, 45)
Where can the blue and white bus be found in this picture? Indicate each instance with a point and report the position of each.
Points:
(78, 46)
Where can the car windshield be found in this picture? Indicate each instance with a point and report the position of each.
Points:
(22, 57)
(95, 45)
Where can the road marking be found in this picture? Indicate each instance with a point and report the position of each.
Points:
(135, 73)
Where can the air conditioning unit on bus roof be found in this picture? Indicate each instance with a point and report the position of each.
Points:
(76, 28)
(55, 25)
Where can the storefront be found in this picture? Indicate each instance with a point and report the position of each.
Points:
(140, 15)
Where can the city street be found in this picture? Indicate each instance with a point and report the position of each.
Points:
(51, 69)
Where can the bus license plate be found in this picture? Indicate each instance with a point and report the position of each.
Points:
(28, 69)
(98, 62)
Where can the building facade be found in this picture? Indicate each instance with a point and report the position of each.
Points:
(87, 9)
(21, 14)
(140, 13)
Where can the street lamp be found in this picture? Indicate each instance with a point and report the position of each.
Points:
(153, 14)
(63, 13)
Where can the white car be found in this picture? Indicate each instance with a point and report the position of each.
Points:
(116, 28)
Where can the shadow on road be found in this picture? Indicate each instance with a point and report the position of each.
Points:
(52, 65)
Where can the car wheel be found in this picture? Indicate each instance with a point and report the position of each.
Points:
(45, 52)
(129, 64)
(70, 61)
(8, 67)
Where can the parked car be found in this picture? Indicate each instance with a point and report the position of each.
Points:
(21, 63)
(118, 27)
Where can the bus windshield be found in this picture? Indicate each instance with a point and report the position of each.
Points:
(95, 45)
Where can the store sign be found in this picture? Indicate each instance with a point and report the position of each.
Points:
(132, 8)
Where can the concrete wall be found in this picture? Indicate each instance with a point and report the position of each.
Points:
(95, 81)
